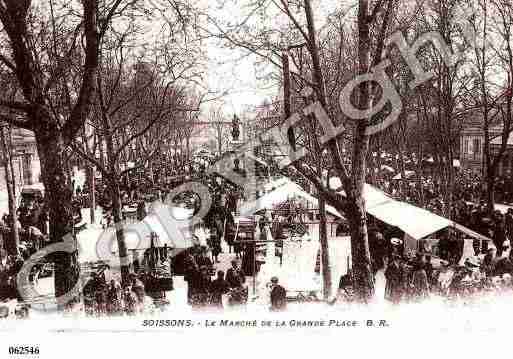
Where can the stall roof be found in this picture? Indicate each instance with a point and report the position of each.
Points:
(36, 187)
(416, 222)
(282, 193)
(373, 196)
(498, 140)
(137, 235)
(408, 174)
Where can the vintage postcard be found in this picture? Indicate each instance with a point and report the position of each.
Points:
(295, 178)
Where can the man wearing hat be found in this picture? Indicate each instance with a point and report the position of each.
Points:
(508, 219)
(235, 276)
(499, 233)
(503, 264)
(489, 261)
(396, 248)
(278, 296)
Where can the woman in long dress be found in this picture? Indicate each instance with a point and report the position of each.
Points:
(394, 289)
(419, 282)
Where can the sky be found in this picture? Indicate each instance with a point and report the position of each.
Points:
(229, 70)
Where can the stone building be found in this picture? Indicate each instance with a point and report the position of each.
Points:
(472, 144)
(26, 164)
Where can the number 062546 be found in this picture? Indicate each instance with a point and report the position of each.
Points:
(23, 350)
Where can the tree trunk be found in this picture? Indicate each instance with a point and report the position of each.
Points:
(490, 191)
(325, 255)
(363, 278)
(420, 173)
(317, 74)
(52, 152)
(117, 207)
(92, 195)
(102, 151)
(117, 215)
(219, 138)
(14, 238)
(402, 170)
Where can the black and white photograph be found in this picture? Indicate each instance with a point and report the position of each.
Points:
(333, 176)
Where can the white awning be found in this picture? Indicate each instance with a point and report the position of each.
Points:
(498, 140)
(373, 196)
(387, 168)
(470, 232)
(415, 221)
(284, 192)
(408, 174)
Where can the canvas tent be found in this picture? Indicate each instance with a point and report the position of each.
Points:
(408, 174)
(416, 222)
(285, 190)
(372, 195)
(94, 242)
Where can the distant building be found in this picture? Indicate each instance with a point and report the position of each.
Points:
(267, 116)
(472, 145)
(26, 166)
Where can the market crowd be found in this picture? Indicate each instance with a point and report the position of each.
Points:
(416, 278)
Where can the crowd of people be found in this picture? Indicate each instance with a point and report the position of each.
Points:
(10, 266)
(110, 298)
(202, 291)
(414, 279)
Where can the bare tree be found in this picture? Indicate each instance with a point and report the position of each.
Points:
(42, 48)
(136, 98)
(6, 143)
(494, 101)
(373, 23)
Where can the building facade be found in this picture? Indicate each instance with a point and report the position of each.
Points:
(472, 148)
(26, 165)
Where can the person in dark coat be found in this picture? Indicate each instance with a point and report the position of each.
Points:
(202, 287)
(202, 259)
(229, 234)
(218, 288)
(444, 246)
(248, 260)
(419, 281)
(278, 296)
(191, 269)
(489, 260)
(509, 223)
(394, 275)
(235, 276)
(428, 267)
(503, 265)
(499, 236)
(377, 248)
(455, 249)
(141, 211)
(214, 243)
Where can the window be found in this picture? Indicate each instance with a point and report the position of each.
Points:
(477, 147)
(466, 149)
